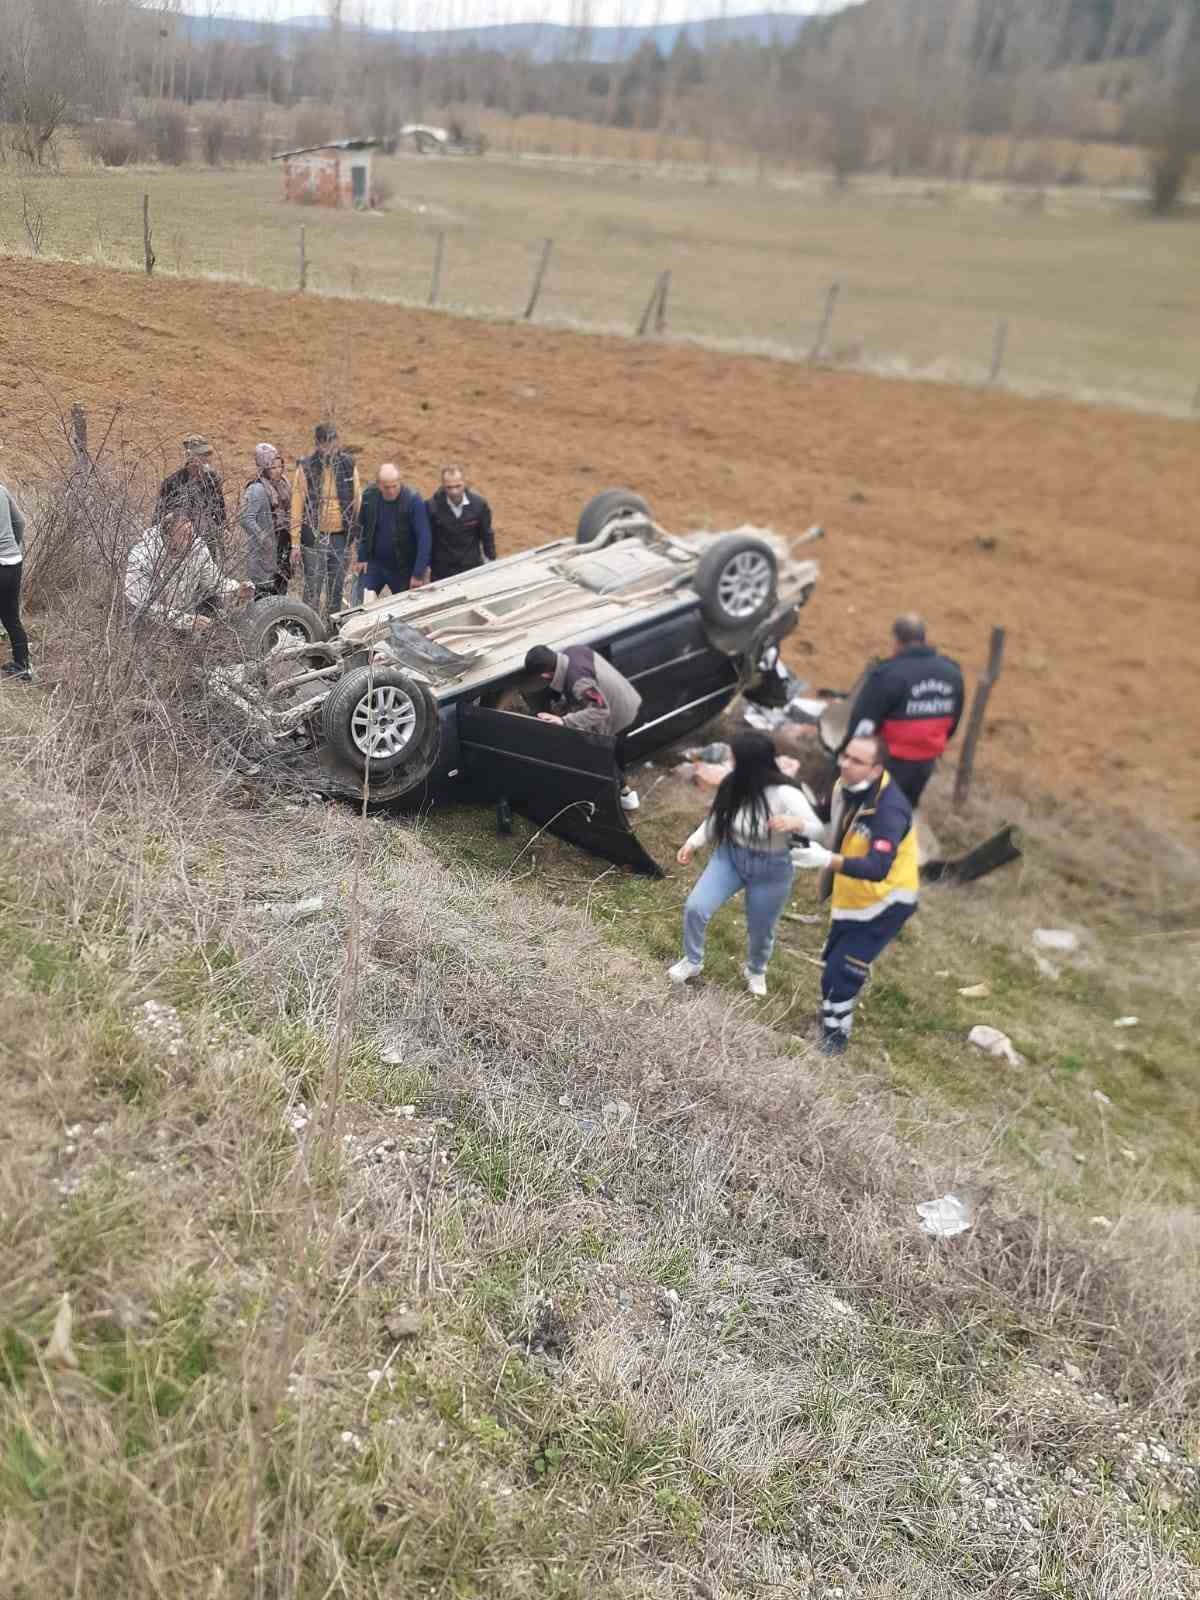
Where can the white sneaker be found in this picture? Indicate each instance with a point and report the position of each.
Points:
(756, 982)
(629, 800)
(683, 970)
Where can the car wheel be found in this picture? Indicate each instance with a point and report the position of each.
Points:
(382, 722)
(281, 621)
(735, 579)
(602, 508)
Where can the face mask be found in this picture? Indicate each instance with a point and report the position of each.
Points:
(857, 788)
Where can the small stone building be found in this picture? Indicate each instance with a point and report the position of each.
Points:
(337, 174)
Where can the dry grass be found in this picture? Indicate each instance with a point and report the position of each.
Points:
(416, 1247)
(925, 269)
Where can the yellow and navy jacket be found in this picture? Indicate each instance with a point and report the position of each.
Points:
(874, 835)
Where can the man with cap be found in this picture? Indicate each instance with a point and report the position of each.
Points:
(326, 495)
(591, 696)
(263, 518)
(196, 492)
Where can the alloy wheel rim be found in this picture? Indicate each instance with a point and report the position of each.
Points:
(382, 722)
(744, 584)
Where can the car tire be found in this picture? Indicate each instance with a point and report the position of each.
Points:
(267, 622)
(602, 508)
(405, 736)
(736, 581)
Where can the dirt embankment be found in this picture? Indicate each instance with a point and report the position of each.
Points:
(1074, 527)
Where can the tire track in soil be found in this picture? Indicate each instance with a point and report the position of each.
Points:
(1073, 526)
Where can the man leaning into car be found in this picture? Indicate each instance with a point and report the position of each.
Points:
(589, 695)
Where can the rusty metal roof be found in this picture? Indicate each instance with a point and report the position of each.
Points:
(331, 144)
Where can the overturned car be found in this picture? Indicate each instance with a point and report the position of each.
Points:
(413, 698)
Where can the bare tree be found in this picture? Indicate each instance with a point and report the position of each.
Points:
(40, 71)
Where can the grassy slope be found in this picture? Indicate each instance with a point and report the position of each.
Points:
(923, 278)
(481, 1265)
(1046, 1119)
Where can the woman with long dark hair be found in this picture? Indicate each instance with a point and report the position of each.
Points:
(746, 856)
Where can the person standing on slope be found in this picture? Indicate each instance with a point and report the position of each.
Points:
(869, 870)
(914, 702)
(750, 856)
(12, 567)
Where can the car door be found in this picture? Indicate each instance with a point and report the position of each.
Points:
(564, 780)
(683, 681)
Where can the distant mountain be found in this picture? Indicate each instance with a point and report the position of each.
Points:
(541, 41)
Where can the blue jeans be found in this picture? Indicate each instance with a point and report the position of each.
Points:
(379, 577)
(324, 556)
(765, 875)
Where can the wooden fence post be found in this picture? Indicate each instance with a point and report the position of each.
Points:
(436, 281)
(826, 322)
(999, 342)
(79, 431)
(966, 762)
(656, 293)
(660, 316)
(146, 244)
(537, 279)
(1196, 399)
(303, 261)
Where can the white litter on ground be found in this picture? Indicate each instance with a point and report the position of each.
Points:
(945, 1217)
(994, 1043)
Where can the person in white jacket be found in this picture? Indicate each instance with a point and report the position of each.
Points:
(171, 577)
(747, 857)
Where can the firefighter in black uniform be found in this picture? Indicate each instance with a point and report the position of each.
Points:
(913, 701)
(461, 526)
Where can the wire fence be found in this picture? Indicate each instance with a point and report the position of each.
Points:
(637, 280)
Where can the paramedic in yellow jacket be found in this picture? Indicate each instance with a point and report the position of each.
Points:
(870, 866)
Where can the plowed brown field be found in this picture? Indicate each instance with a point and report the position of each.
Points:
(1079, 529)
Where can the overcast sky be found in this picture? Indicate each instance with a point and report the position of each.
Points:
(440, 14)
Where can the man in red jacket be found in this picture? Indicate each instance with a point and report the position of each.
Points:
(913, 701)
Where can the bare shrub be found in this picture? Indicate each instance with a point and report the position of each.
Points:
(382, 190)
(248, 137)
(164, 131)
(1169, 168)
(313, 125)
(33, 219)
(111, 143)
(214, 137)
(847, 134)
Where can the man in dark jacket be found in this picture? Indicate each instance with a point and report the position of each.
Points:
(589, 694)
(393, 544)
(325, 498)
(461, 526)
(913, 701)
(196, 492)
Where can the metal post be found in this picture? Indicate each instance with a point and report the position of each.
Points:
(436, 282)
(146, 243)
(303, 262)
(537, 279)
(998, 346)
(825, 323)
(966, 762)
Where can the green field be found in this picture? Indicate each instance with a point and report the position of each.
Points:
(1100, 301)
